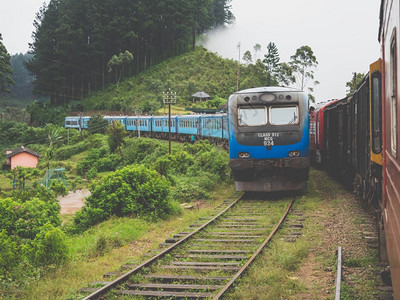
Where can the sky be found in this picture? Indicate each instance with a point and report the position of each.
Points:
(343, 37)
(16, 23)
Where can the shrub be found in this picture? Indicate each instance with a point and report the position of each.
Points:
(66, 152)
(214, 161)
(131, 190)
(9, 254)
(92, 173)
(58, 188)
(33, 214)
(49, 246)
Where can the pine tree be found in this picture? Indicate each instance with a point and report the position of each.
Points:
(5, 69)
(271, 61)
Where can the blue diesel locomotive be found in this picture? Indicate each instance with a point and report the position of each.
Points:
(268, 139)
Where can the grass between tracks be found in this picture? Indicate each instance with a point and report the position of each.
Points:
(99, 250)
(306, 268)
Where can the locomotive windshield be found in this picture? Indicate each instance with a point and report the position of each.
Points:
(258, 116)
(252, 116)
(284, 115)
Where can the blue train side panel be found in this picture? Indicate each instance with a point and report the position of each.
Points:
(188, 124)
(211, 126)
(208, 126)
(72, 122)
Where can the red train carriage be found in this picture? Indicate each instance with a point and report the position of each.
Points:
(317, 149)
(389, 36)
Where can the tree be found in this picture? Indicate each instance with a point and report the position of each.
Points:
(116, 135)
(353, 84)
(21, 174)
(97, 124)
(75, 41)
(303, 63)
(247, 57)
(117, 63)
(257, 48)
(5, 69)
(271, 61)
(285, 74)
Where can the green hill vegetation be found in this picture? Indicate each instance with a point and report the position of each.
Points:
(186, 74)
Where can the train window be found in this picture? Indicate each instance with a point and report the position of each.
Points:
(253, 116)
(284, 115)
(393, 100)
(376, 103)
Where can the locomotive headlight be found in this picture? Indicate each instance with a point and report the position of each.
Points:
(244, 154)
(294, 153)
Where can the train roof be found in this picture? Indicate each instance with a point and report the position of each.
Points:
(323, 105)
(268, 89)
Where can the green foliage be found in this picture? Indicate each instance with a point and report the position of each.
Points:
(9, 254)
(5, 69)
(15, 133)
(353, 84)
(303, 63)
(21, 174)
(92, 173)
(48, 247)
(185, 74)
(22, 78)
(99, 159)
(271, 61)
(97, 124)
(77, 62)
(66, 152)
(116, 135)
(44, 113)
(131, 190)
(58, 188)
(30, 233)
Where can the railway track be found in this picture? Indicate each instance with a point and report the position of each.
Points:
(206, 259)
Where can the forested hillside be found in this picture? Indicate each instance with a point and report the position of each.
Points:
(81, 46)
(198, 70)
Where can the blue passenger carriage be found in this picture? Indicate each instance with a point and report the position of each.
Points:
(212, 126)
(72, 122)
(268, 139)
(113, 119)
(160, 124)
(188, 124)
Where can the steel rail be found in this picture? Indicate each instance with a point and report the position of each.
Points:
(338, 274)
(125, 276)
(251, 259)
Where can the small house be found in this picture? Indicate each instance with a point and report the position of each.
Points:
(22, 157)
(201, 96)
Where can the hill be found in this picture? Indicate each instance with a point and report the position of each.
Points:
(198, 70)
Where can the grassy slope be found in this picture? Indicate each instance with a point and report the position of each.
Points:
(199, 70)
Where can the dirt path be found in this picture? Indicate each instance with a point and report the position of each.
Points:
(73, 201)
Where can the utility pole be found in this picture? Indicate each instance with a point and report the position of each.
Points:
(238, 70)
(138, 112)
(169, 98)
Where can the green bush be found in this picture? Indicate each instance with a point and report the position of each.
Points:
(48, 247)
(30, 235)
(9, 254)
(132, 190)
(33, 214)
(92, 173)
(216, 162)
(58, 188)
(66, 152)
